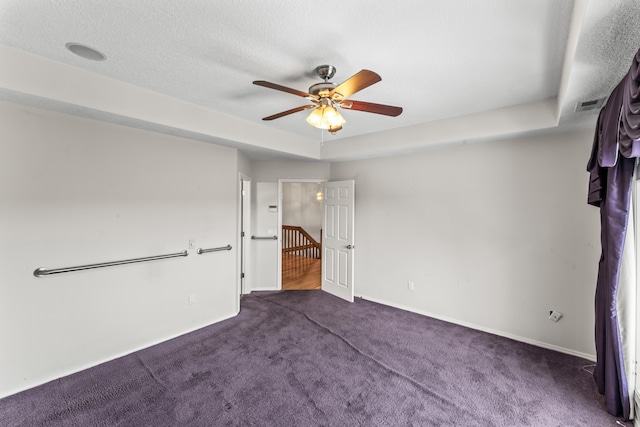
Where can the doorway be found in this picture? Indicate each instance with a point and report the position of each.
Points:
(301, 235)
(244, 222)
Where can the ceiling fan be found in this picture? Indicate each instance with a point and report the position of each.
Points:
(326, 96)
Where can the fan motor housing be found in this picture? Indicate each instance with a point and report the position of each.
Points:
(322, 89)
(326, 72)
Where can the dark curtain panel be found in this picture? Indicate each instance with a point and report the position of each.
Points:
(616, 145)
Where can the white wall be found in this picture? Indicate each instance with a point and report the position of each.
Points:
(264, 252)
(75, 191)
(493, 235)
(301, 207)
(267, 171)
(244, 164)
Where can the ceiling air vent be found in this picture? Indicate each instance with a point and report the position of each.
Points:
(595, 104)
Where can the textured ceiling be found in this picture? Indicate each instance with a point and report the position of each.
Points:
(438, 59)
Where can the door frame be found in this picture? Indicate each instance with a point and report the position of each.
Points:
(280, 197)
(244, 224)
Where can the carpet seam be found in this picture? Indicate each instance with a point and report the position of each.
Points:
(372, 358)
(151, 373)
(308, 396)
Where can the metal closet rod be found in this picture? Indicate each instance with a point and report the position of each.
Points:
(264, 238)
(40, 272)
(222, 248)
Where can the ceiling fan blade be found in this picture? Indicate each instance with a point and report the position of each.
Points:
(355, 83)
(293, 110)
(369, 107)
(284, 89)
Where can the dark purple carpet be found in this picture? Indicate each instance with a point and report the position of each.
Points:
(306, 358)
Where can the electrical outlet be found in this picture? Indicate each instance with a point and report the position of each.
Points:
(192, 299)
(555, 315)
(410, 286)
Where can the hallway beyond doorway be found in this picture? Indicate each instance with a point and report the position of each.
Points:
(300, 227)
(300, 273)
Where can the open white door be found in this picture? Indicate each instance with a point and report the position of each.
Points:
(337, 239)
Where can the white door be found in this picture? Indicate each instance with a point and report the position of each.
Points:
(337, 239)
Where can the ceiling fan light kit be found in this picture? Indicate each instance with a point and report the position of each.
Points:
(325, 116)
(326, 96)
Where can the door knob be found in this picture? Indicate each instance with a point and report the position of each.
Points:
(351, 246)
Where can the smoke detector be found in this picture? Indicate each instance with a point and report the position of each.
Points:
(85, 51)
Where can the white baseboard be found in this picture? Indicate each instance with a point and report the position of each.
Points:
(264, 288)
(541, 344)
